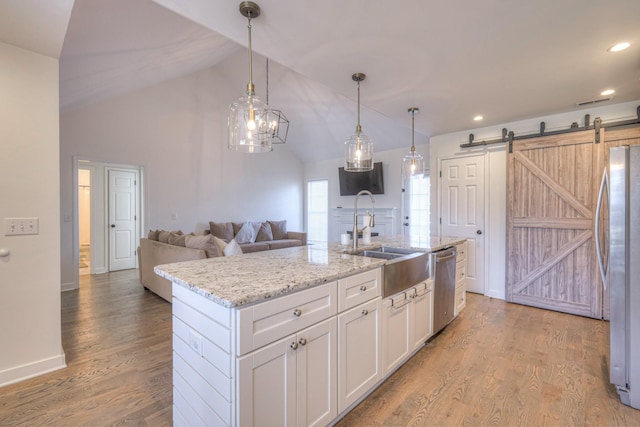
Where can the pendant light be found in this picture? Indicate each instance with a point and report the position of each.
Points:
(281, 129)
(251, 123)
(359, 147)
(412, 163)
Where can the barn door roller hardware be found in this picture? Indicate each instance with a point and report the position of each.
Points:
(596, 126)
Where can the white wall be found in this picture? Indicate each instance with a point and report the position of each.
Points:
(30, 337)
(177, 131)
(391, 171)
(444, 146)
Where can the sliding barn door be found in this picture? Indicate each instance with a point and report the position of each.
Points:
(552, 185)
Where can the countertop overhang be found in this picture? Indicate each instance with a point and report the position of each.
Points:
(250, 278)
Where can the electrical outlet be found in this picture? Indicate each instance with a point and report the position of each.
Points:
(21, 226)
(195, 342)
(174, 217)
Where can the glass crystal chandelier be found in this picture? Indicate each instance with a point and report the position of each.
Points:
(412, 163)
(359, 147)
(251, 123)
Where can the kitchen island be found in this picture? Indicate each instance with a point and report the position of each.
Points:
(288, 337)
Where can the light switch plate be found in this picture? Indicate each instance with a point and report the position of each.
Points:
(21, 226)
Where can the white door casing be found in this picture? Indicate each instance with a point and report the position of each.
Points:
(462, 212)
(122, 218)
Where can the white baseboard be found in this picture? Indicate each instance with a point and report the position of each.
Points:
(30, 370)
(68, 286)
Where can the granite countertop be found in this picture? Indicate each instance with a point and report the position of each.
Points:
(241, 280)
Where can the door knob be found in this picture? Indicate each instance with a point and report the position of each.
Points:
(113, 226)
(479, 232)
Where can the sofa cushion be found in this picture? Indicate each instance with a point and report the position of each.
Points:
(279, 229)
(248, 232)
(232, 248)
(153, 235)
(205, 243)
(176, 239)
(221, 244)
(236, 227)
(284, 243)
(222, 230)
(255, 247)
(163, 235)
(265, 233)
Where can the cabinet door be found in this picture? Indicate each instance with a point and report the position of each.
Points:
(359, 362)
(267, 386)
(422, 314)
(317, 374)
(396, 336)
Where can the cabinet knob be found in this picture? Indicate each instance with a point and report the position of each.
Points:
(294, 345)
(365, 311)
(302, 341)
(363, 288)
(297, 312)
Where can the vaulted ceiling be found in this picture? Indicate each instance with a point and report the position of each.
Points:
(506, 60)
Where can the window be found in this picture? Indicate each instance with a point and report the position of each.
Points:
(418, 193)
(317, 210)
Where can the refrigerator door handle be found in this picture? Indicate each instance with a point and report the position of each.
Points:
(604, 186)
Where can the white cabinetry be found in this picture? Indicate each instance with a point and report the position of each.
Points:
(359, 352)
(297, 360)
(291, 382)
(407, 324)
(421, 313)
(461, 277)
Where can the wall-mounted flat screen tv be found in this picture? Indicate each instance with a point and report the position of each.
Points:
(352, 182)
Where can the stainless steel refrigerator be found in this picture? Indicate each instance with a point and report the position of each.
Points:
(623, 272)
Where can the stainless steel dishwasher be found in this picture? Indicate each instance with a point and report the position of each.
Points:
(443, 263)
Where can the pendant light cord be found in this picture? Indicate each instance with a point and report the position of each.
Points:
(250, 87)
(358, 128)
(413, 132)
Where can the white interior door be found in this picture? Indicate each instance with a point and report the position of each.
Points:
(122, 218)
(462, 211)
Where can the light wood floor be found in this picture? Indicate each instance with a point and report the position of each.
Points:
(496, 364)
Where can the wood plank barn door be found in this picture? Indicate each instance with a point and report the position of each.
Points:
(552, 187)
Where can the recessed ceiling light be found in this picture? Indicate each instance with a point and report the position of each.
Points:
(478, 118)
(618, 47)
(607, 92)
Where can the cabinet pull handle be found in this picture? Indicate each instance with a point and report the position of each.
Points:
(363, 288)
(297, 312)
(302, 341)
(365, 311)
(294, 345)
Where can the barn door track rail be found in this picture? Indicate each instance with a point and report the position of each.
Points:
(508, 136)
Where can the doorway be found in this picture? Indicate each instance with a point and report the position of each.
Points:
(84, 220)
(462, 211)
(111, 200)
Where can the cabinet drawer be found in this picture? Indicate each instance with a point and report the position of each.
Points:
(461, 300)
(462, 251)
(269, 321)
(361, 287)
(461, 272)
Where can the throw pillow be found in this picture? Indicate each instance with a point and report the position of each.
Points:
(279, 229)
(205, 243)
(221, 244)
(176, 239)
(222, 230)
(265, 233)
(153, 234)
(163, 235)
(236, 227)
(201, 232)
(248, 232)
(233, 248)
